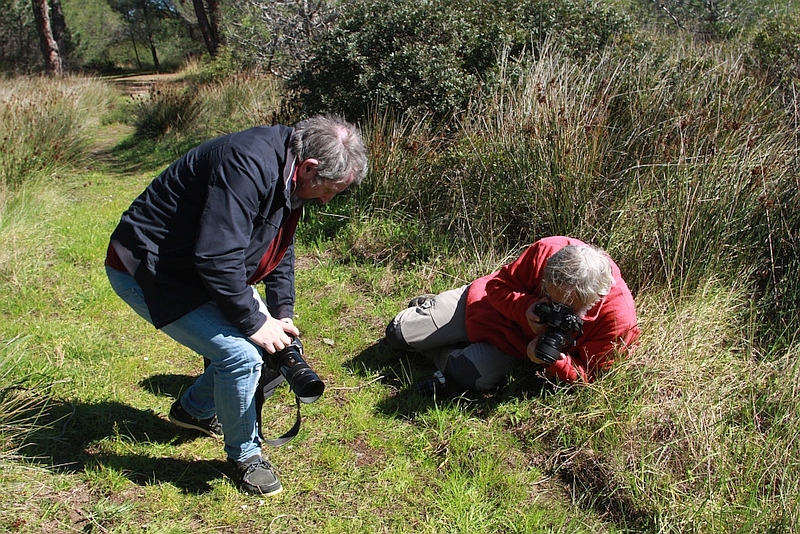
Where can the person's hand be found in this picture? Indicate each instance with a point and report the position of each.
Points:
(531, 352)
(275, 334)
(534, 322)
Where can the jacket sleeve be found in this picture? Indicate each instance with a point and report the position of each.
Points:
(279, 287)
(516, 286)
(234, 192)
(613, 334)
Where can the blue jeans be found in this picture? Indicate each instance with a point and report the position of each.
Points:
(227, 387)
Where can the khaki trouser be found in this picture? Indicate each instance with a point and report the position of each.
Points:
(437, 328)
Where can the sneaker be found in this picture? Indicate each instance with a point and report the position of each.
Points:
(178, 416)
(435, 386)
(256, 476)
(420, 300)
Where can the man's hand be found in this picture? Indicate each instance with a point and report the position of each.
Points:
(275, 334)
(534, 322)
(531, 352)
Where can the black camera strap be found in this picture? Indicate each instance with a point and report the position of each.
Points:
(267, 384)
(266, 388)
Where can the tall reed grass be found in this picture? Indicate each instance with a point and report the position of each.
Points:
(204, 110)
(45, 124)
(680, 164)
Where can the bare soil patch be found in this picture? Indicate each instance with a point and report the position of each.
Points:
(140, 84)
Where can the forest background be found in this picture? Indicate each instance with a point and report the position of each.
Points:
(664, 132)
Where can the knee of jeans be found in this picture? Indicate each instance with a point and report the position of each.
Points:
(394, 337)
(240, 359)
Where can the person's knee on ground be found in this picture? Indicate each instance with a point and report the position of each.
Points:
(394, 336)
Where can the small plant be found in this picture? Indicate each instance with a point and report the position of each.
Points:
(21, 402)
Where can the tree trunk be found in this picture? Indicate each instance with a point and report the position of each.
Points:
(149, 31)
(213, 15)
(59, 25)
(135, 48)
(205, 27)
(52, 59)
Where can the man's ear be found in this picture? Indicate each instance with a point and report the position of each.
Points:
(307, 171)
(309, 165)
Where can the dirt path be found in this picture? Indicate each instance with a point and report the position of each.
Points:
(139, 84)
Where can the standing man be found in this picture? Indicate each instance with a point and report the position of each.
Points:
(188, 252)
(477, 333)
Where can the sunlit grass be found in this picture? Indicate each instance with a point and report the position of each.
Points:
(681, 167)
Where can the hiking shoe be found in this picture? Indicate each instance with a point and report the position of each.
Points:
(437, 385)
(178, 416)
(420, 300)
(256, 476)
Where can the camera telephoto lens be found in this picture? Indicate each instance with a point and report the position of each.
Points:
(302, 379)
(561, 324)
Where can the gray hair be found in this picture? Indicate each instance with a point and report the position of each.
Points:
(336, 144)
(582, 272)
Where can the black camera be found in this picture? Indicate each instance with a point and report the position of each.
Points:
(561, 324)
(302, 379)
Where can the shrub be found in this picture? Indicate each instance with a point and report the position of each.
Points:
(429, 57)
(405, 55)
(776, 50)
(165, 109)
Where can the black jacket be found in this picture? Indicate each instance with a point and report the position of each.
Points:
(199, 230)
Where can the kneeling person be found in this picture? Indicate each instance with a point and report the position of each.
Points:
(477, 333)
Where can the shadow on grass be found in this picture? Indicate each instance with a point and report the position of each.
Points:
(135, 154)
(79, 437)
(168, 385)
(402, 371)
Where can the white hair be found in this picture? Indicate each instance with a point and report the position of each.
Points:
(583, 272)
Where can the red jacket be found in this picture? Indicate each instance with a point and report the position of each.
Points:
(496, 306)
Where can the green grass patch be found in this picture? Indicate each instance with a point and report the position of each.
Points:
(694, 432)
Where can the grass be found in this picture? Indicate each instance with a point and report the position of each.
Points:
(695, 432)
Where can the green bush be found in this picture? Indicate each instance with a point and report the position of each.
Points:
(429, 57)
(776, 50)
(405, 55)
